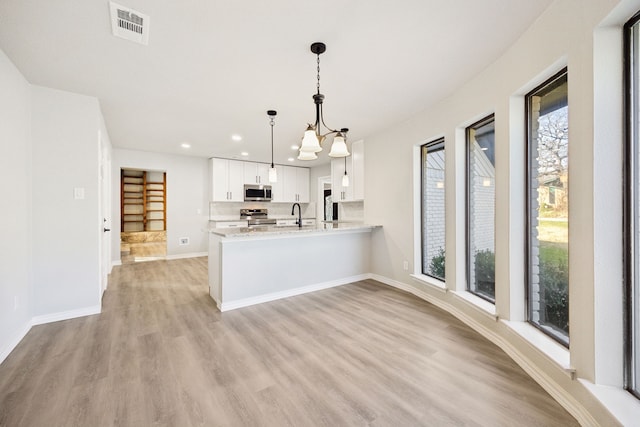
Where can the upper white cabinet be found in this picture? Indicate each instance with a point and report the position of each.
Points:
(227, 180)
(256, 173)
(277, 188)
(357, 159)
(295, 185)
(355, 170)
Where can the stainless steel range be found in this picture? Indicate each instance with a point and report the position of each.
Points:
(257, 217)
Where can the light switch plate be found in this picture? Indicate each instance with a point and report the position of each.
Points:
(78, 193)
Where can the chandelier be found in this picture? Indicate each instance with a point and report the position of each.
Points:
(313, 137)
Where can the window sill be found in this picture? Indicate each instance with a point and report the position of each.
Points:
(553, 350)
(485, 306)
(622, 404)
(430, 281)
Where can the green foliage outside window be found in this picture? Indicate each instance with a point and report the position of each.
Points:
(436, 266)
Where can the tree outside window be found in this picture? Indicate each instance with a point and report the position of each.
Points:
(548, 212)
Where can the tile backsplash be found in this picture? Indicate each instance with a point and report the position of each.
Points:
(351, 211)
(220, 211)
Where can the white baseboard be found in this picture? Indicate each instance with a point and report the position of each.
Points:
(189, 255)
(566, 400)
(232, 305)
(169, 257)
(13, 342)
(65, 315)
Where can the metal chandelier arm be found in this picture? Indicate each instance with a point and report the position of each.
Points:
(313, 136)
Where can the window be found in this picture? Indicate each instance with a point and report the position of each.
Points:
(433, 210)
(632, 206)
(548, 208)
(481, 174)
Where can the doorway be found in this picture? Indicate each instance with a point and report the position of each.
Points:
(326, 209)
(143, 215)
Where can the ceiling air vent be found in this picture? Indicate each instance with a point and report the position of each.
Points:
(129, 24)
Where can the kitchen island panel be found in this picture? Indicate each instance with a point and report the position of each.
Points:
(244, 272)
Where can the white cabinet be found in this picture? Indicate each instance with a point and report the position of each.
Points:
(339, 192)
(292, 222)
(227, 180)
(256, 173)
(357, 160)
(355, 171)
(295, 184)
(231, 224)
(277, 188)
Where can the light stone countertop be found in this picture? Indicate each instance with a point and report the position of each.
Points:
(222, 218)
(323, 227)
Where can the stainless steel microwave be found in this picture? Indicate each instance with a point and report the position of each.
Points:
(257, 193)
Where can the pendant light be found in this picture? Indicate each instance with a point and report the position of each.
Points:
(313, 138)
(273, 173)
(345, 177)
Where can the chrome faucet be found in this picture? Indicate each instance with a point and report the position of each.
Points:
(293, 210)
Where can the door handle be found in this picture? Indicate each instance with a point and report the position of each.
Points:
(106, 229)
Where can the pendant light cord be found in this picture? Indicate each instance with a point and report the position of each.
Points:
(271, 123)
(318, 84)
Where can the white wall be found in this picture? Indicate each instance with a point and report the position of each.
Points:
(187, 193)
(315, 173)
(66, 231)
(15, 215)
(49, 252)
(562, 36)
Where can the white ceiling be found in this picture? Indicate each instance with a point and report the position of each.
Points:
(213, 68)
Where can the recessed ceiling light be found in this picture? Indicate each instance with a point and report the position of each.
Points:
(244, 153)
(294, 147)
(185, 145)
(236, 137)
(291, 159)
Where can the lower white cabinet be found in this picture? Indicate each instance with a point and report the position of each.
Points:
(231, 224)
(292, 222)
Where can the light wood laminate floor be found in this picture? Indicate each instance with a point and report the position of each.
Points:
(358, 355)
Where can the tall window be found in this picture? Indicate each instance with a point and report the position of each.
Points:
(632, 206)
(548, 207)
(481, 173)
(433, 217)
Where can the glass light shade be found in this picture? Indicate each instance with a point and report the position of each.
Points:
(310, 141)
(307, 155)
(339, 147)
(345, 180)
(273, 174)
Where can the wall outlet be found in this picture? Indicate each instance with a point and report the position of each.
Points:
(405, 265)
(183, 241)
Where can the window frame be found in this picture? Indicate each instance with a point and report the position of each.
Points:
(528, 223)
(485, 120)
(436, 145)
(631, 350)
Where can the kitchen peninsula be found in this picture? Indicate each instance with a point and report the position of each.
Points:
(253, 265)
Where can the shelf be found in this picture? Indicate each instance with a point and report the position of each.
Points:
(143, 203)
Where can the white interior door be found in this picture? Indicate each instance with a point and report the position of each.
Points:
(105, 212)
